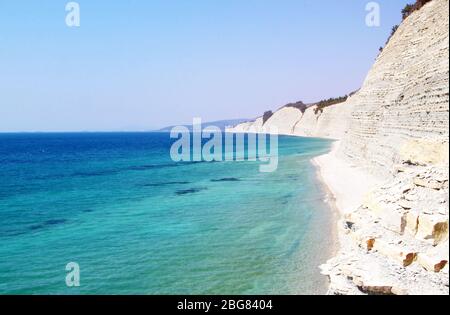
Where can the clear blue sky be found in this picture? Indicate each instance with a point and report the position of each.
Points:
(143, 64)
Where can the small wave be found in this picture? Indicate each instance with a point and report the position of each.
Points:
(150, 167)
(94, 173)
(164, 184)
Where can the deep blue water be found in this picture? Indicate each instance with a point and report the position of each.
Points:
(138, 223)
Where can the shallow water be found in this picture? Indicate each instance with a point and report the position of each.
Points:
(138, 223)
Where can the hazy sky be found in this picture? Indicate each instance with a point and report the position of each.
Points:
(143, 64)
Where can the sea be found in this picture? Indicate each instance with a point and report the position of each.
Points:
(133, 221)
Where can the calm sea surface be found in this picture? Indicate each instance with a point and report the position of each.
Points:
(138, 223)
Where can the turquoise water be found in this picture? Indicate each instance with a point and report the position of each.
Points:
(138, 223)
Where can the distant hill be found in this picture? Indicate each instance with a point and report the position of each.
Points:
(222, 124)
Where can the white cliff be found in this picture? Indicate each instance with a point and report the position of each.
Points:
(390, 170)
(331, 122)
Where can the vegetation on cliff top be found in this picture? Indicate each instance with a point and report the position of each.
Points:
(407, 11)
(410, 8)
(266, 116)
(299, 105)
(303, 107)
(331, 101)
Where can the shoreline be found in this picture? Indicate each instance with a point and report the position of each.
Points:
(343, 196)
(335, 217)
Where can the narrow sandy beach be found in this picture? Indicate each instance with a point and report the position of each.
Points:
(348, 184)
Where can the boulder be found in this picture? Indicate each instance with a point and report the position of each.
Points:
(435, 259)
(412, 222)
(396, 252)
(432, 227)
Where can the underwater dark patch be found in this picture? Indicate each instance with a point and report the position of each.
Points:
(229, 179)
(189, 191)
(47, 224)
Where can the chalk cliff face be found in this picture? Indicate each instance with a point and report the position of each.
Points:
(403, 104)
(282, 122)
(397, 128)
(331, 122)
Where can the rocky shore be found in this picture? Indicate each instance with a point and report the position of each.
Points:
(388, 243)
